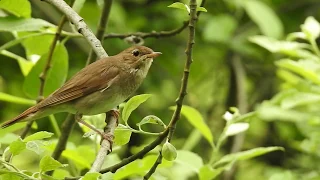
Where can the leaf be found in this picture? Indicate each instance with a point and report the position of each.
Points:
(207, 172)
(195, 119)
(308, 69)
(55, 77)
(311, 28)
(249, 154)
(77, 5)
(38, 136)
(122, 136)
(268, 22)
(169, 152)
(17, 146)
(179, 5)
(190, 160)
(20, 8)
(133, 104)
(24, 64)
(220, 29)
(237, 128)
(15, 99)
(299, 99)
(151, 119)
(202, 9)
(11, 175)
(82, 156)
(15, 24)
(91, 176)
(47, 163)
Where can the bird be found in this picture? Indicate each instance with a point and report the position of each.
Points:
(97, 88)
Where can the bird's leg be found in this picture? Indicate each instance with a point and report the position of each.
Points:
(104, 135)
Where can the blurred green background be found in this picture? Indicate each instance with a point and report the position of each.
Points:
(227, 71)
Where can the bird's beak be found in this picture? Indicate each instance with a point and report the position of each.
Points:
(154, 54)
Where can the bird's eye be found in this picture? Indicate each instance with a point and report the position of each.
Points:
(135, 52)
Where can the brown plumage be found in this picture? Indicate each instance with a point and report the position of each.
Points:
(97, 88)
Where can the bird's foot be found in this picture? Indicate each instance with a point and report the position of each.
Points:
(107, 136)
(115, 113)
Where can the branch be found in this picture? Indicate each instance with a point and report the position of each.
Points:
(80, 25)
(101, 27)
(152, 34)
(44, 73)
(105, 148)
(154, 167)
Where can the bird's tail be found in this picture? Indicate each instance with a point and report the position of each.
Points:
(19, 118)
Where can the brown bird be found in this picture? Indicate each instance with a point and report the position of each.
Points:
(97, 88)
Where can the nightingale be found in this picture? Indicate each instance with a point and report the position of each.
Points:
(97, 88)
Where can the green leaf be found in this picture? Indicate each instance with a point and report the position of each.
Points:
(249, 154)
(311, 28)
(24, 64)
(12, 128)
(179, 5)
(207, 172)
(299, 99)
(189, 160)
(151, 119)
(15, 99)
(139, 167)
(122, 135)
(202, 9)
(82, 156)
(20, 8)
(47, 163)
(55, 77)
(133, 104)
(195, 118)
(169, 152)
(268, 22)
(308, 69)
(237, 128)
(37, 45)
(38, 136)
(10, 175)
(15, 24)
(220, 29)
(91, 176)
(77, 5)
(17, 146)
(8, 138)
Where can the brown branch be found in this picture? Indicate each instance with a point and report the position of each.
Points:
(44, 73)
(101, 27)
(152, 34)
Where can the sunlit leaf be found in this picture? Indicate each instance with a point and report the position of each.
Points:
(249, 154)
(91, 176)
(15, 24)
(24, 64)
(169, 152)
(195, 118)
(122, 136)
(265, 18)
(56, 75)
(311, 28)
(179, 5)
(237, 128)
(151, 119)
(202, 9)
(20, 8)
(47, 163)
(207, 172)
(38, 136)
(133, 104)
(190, 160)
(17, 146)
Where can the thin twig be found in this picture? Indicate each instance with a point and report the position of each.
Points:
(80, 25)
(154, 167)
(101, 27)
(184, 85)
(44, 73)
(153, 34)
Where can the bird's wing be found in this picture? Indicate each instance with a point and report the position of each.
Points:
(84, 82)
